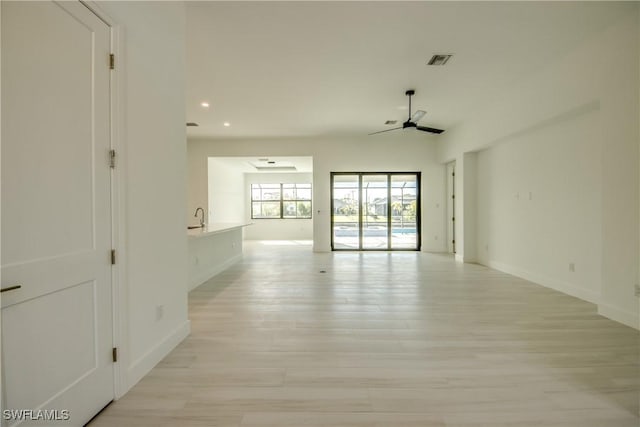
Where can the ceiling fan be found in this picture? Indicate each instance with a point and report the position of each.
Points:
(413, 120)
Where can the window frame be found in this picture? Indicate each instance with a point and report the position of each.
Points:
(389, 175)
(282, 200)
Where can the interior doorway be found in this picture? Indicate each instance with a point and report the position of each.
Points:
(375, 211)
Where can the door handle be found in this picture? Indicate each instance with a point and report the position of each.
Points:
(10, 288)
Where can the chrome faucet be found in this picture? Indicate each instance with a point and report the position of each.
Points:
(201, 219)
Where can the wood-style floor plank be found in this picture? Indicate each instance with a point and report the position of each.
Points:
(386, 339)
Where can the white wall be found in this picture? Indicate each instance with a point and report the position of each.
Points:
(151, 180)
(404, 151)
(226, 195)
(466, 223)
(587, 103)
(276, 229)
(538, 210)
(198, 187)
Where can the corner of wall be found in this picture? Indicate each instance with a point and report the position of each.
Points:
(626, 317)
(144, 364)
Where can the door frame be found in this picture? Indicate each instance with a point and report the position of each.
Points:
(389, 175)
(450, 177)
(119, 283)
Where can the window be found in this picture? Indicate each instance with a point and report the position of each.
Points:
(286, 201)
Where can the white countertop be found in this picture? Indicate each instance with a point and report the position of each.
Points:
(215, 228)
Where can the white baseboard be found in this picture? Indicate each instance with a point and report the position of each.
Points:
(212, 271)
(548, 282)
(459, 257)
(623, 316)
(609, 311)
(144, 364)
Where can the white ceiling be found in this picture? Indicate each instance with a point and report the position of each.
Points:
(244, 164)
(277, 69)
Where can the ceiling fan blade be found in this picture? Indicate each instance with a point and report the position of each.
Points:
(386, 130)
(428, 129)
(417, 116)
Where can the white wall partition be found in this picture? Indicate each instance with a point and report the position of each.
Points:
(151, 170)
(226, 193)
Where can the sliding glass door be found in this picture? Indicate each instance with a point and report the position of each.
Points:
(405, 211)
(345, 197)
(375, 211)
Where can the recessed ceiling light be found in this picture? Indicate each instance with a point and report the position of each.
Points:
(226, 124)
(204, 104)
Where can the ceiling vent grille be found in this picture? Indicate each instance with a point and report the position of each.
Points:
(439, 59)
(271, 165)
(276, 168)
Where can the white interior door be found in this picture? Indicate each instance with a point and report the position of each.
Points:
(56, 212)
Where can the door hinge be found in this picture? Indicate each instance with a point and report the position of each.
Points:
(453, 219)
(112, 61)
(112, 159)
(114, 354)
(113, 256)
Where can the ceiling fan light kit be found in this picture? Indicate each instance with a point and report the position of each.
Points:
(412, 121)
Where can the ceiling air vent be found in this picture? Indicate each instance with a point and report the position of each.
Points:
(277, 168)
(390, 122)
(439, 59)
(270, 165)
(192, 124)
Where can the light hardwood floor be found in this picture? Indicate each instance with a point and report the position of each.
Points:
(386, 339)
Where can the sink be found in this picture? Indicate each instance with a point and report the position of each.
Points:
(191, 227)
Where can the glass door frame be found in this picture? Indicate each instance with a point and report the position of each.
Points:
(418, 176)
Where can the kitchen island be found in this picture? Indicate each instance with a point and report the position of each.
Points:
(212, 249)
